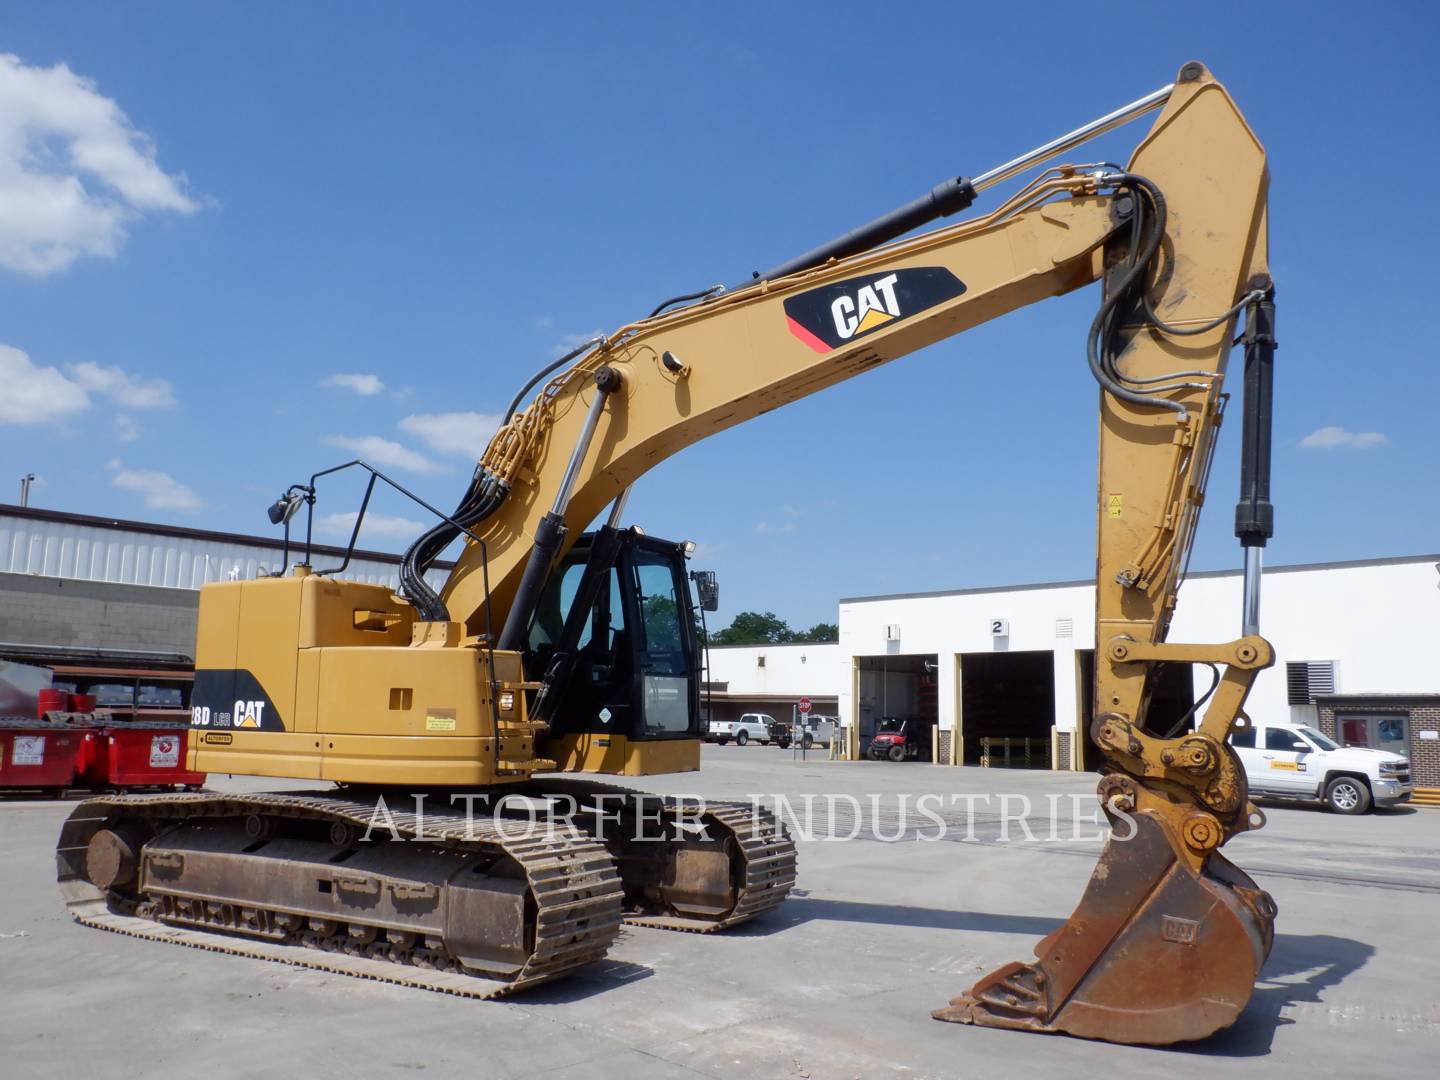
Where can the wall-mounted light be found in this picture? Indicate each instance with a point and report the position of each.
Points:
(283, 508)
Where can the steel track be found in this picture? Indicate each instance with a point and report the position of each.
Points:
(572, 878)
(767, 852)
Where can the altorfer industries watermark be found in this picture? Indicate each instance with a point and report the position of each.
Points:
(642, 817)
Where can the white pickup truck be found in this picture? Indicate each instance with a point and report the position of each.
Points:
(752, 725)
(1298, 762)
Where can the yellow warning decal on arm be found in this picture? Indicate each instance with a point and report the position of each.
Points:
(440, 720)
(1115, 505)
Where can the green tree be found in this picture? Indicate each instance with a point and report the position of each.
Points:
(753, 628)
(821, 631)
(662, 623)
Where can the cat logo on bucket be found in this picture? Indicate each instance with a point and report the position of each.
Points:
(827, 317)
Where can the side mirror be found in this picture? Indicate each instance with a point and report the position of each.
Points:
(707, 588)
(1303, 747)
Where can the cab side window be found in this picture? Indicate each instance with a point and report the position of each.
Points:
(1280, 739)
(1244, 739)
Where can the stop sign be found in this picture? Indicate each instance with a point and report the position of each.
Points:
(805, 704)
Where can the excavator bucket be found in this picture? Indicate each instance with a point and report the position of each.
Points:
(1158, 951)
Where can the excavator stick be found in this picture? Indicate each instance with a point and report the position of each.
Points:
(1169, 936)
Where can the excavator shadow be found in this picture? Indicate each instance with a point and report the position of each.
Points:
(1300, 969)
(802, 909)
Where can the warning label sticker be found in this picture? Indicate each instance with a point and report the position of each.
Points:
(440, 720)
(29, 750)
(1115, 505)
(164, 751)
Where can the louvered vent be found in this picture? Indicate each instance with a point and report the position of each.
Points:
(1306, 679)
(1064, 628)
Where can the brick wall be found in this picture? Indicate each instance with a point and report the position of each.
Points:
(38, 610)
(1423, 711)
(942, 746)
(1425, 753)
(1062, 759)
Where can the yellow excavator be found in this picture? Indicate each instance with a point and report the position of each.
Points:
(549, 650)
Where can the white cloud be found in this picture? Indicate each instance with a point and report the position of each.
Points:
(364, 385)
(74, 172)
(129, 390)
(378, 451)
(160, 490)
(40, 395)
(463, 433)
(767, 527)
(375, 526)
(126, 430)
(1338, 438)
(34, 394)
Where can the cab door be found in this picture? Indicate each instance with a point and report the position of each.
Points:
(1283, 760)
(667, 691)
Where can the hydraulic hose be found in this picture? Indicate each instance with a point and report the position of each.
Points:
(1123, 293)
(514, 405)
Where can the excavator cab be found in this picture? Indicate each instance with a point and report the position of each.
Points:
(613, 643)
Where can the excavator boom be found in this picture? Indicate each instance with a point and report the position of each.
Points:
(1169, 937)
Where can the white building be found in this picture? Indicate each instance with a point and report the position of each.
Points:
(1350, 638)
(772, 679)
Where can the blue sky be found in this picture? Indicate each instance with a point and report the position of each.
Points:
(214, 209)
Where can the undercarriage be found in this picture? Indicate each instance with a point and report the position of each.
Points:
(466, 904)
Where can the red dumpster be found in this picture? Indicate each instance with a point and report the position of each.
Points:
(34, 754)
(140, 755)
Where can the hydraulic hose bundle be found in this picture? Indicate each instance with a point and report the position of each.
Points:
(1127, 294)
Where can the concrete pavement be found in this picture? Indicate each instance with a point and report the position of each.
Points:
(839, 982)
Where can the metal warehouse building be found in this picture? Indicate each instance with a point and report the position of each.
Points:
(1357, 647)
(75, 583)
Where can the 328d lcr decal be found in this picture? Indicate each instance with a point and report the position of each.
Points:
(828, 317)
(232, 698)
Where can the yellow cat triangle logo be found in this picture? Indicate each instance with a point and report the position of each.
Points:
(873, 318)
